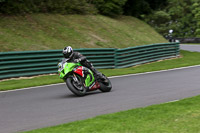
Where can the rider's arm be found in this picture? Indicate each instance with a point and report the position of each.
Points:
(80, 57)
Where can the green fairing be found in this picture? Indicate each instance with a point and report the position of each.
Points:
(61, 75)
(88, 80)
(68, 67)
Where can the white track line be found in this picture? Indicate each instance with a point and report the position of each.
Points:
(155, 71)
(173, 101)
(109, 77)
(32, 87)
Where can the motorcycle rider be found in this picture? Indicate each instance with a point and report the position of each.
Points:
(69, 54)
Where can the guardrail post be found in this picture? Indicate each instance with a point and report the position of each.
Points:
(115, 58)
(178, 49)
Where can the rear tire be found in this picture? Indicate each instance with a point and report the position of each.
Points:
(106, 85)
(74, 88)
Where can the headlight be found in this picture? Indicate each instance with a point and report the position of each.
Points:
(59, 65)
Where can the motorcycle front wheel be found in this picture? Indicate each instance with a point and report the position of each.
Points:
(76, 87)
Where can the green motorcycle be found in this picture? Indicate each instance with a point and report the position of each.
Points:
(80, 79)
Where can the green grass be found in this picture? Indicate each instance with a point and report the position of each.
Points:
(54, 31)
(175, 117)
(187, 59)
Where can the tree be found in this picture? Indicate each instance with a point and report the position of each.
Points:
(136, 8)
(196, 12)
(178, 15)
(139, 8)
(109, 7)
(46, 6)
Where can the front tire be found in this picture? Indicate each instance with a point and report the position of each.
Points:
(106, 85)
(78, 90)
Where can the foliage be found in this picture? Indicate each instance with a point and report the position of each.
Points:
(138, 8)
(179, 15)
(46, 6)
(157, 19)
(105, 7)
(109, 7)
(196, 12)
(183, 16)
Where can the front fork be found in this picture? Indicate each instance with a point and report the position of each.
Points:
(76, 80)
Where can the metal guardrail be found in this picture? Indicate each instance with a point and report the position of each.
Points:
(142, 54)
(29, 63)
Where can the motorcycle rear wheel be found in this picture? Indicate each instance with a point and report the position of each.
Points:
(78, 90)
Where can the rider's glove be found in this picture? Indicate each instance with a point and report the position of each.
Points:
(77, 60)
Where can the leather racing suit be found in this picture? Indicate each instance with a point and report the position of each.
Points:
(78, 57)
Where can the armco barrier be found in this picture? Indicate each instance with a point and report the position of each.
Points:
(28, 63)
(142, 54)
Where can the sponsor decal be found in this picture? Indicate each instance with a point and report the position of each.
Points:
(94, 86)
(79, 71)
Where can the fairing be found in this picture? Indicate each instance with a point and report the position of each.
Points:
(67, 67)
(86, 74)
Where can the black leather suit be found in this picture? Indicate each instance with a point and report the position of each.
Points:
(83, 61)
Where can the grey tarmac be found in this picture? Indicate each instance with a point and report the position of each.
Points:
(47, 106)
(190, 47)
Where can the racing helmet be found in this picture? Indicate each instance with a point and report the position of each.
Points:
(67, 51)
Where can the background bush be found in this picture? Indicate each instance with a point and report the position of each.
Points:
(46, 6)
(109, 7)
(183, 16)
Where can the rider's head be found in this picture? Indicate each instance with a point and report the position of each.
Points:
(67, 51)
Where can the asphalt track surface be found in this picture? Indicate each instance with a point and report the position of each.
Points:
(190, 47)
(51, 105)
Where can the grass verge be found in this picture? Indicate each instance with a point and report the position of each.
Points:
(55, 31)
(175, 117)
(188, 59)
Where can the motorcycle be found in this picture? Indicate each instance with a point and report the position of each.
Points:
(80, 79)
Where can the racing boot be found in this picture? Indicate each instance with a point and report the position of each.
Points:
(97, 74)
